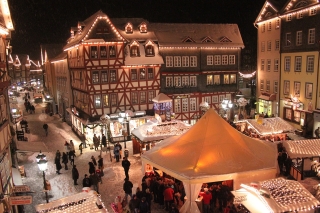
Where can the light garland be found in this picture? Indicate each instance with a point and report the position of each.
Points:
(304, 147)
(264, 9)
(249, 75)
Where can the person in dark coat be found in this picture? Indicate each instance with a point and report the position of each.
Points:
(280, 162)
(100, 162)
(134, 204)
(143, 206)
(75, 175)
(126, 166)
(127, 188)
(72, 155)
(288, 164)
(104, 140)
(173, 208)
(95, 181)
(91, 168)
(65, 160)
(86, 182)
(93, 159)
(148, 197)
(58, 165)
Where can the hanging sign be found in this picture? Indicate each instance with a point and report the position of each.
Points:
(20, 200)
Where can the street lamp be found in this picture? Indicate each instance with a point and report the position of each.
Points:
(42, 164)
(105, 119)
(122, 116)
(226, 105)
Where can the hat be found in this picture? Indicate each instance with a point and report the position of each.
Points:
(205, 189)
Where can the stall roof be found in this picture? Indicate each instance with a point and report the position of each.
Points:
(161, 98)
(154, 131)
(269, 126)
(276, 195)
(80, 202)
(302, 148)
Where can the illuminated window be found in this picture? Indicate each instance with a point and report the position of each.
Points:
(142, 72)
(134, 97)
(185, 104)
(169, 61)
(104, 76)
(143, 97)
(94, 51)
(209, 79)
(226, 79)
(313, 11)
(268, 86)
(143, 28)
(193, 81)
(263, 46)
(276, 65)
(297, 64)
(151, 95)
(263, 28)
(103, 52)
(277, 24)
(193, 104)
(275, 87)
(185, 81)
(311, 36)
(217, 60)
(288, 39)
(113, 75)
(169, 82)
(269, 25)
(262, 64)
(268, 45)
(299, 15)
(224, 60)
(232, 59)
(287, 63)
(193, 61)
(134, 74)
(177, 61)
(128, 28)
(105, 100)
(310, 63)
(286, 87)
(185, 61)
(95, 77)
(149, 50)
(150, 73)
(233, 79)
(134, 51)
(299, 38)
(112, 51)
(177, 105)
(289, 17)
(216, 79)
(177, 81)
(97, 101)
(268, 65)
(209, 59)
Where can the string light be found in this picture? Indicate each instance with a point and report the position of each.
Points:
(249, 75)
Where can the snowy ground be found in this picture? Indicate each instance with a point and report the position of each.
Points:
(62, 185)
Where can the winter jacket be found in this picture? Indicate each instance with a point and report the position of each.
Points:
(127, 187)
(168, 194)
(75, 173)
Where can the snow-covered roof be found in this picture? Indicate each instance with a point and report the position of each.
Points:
(302, 148)
(154, 131)
(276, 195)
(193, 35)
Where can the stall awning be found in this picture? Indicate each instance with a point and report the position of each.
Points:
(17, 180)
(267, 97)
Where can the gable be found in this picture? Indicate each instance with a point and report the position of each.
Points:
(267, 11)
(207, 39)
(225, 39)
(188, 39)
(103, 30)
(293, 4)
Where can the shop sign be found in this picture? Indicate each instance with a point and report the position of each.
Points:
(22, 188)
(20, 200)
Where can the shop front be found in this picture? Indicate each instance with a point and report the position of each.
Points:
(267, 104)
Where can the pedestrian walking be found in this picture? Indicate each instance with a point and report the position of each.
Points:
(134, 204)
(72, 146)
(65, 160)
(71, 157)
(58, 165)
(45, 127)
(143, 206)
(126, 166)
(93, 159)
(127, 188)
(95, 142)
(67, 146)
(86, 182)
(95, 182)
(104, 140)
(58, 154)
(100, 163)
(119, 147)
(75, 175)
(116, 153)
(80, 148)
(91, 168)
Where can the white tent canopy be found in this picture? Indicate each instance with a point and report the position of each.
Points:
(212, 151)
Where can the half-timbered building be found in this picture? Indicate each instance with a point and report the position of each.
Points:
(114, 66)
(201, 64)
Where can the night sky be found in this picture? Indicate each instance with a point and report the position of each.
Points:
(39, 22)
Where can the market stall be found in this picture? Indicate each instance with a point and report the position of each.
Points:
(212, 151)
(275, 196)
(86, 201)
(273, 129)
(303, 154)
(155, 130)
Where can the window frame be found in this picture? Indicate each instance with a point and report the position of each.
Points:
(288, 38)
(263, 46)
(134, 98)
(311, 36)
(169, 61)
(276, 64)
(287, 63)
(104, 76)
(262, 65)
(112, 53)
(151, 95)
(169, 81)
(286, 87)
(113, 76)
(224, 60)
(177, 105)
(232, 59)
(113, 99)
(143, 97)
(209, 59)
(177, 61)
(134, 74)
(193, 81)
(193, 61)
(308, 94)
(142, 74)
(269, 44)
(217, 59)
(94, 52)
(95, 77)
(134, 50)
(105, 100)
(147, 50)
(308, 63)
(277, 44)
(97, 101)
(299, 38)
(150, 72)
(103, 53)
(297, 63)
(261, 85)
(275, 87)
(185, 61)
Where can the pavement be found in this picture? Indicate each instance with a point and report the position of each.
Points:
(62, 185)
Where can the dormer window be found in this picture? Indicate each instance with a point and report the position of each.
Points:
(143, 28)
(149, 49)
(129, 28)
(134, 49)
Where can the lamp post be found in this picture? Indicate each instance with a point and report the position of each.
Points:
(14, 112)
(226, 105)
(122, 116)
(105, 119)
(42, 164)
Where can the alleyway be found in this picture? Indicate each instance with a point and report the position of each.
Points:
(62, 185)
